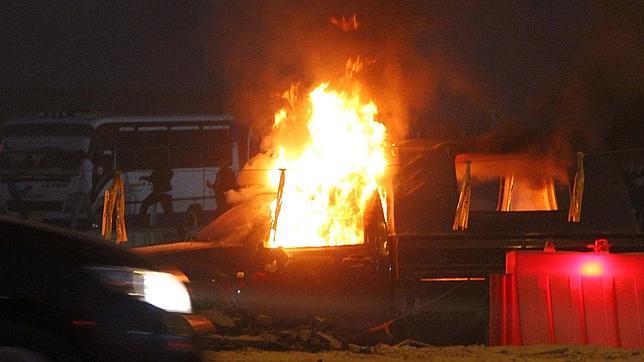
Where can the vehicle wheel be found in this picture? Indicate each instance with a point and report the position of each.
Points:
(194, 215)
(20, 354)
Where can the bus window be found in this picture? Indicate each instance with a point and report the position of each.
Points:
(154, 146)
(123, 162)
(154, 137)
(215, 153)
(218, 144)
(194, 147)
(125, 147)
(148, 157)
(185, 147)
(183, 138)
(184, 157)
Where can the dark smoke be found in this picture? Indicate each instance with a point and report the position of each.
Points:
(542, 76)
(271, 45)
(546, 77)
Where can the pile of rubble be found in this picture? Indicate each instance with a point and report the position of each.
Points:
(236, 329)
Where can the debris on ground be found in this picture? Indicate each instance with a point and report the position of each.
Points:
(241, 336)
(238, 329)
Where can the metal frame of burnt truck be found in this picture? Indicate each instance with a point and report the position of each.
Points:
(434, 279)
(435, 266)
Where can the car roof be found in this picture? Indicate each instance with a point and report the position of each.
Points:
(66, 245)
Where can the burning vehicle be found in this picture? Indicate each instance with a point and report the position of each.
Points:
(311, 212)
(332, 213)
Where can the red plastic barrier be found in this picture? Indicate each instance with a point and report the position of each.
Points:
(568, 298)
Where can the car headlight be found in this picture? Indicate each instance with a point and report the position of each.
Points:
(162, 290)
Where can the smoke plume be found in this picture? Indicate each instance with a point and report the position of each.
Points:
(544, 78)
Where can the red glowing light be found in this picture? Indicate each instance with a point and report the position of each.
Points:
(592, 268)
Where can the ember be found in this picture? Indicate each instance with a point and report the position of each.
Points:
(345, 24)
(330, 176)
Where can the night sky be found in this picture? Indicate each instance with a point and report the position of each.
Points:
(551, 74)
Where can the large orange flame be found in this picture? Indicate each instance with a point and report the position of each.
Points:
(330, 180)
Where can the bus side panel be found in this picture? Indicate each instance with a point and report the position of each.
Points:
(189, 187)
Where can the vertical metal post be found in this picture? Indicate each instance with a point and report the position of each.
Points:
(278, 206)
(463, 208)
(574, 210)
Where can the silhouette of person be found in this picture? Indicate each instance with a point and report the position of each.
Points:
(84, 185)
(224, 181)
(160, 178)
(103, 172)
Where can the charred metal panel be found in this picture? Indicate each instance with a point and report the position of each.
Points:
(425, 190)
(606, 205)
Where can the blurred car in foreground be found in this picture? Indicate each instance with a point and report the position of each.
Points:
(65, 297)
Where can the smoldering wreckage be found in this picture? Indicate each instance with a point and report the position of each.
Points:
(431, 285)
(416, 243)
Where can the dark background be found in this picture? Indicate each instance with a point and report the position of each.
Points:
(549, 76)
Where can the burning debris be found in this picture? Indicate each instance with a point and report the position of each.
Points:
(330, 175)
(345, 24)
(324, 160)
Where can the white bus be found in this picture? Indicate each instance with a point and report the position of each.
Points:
(39, 167)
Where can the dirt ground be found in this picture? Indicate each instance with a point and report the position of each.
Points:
(456, 353)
